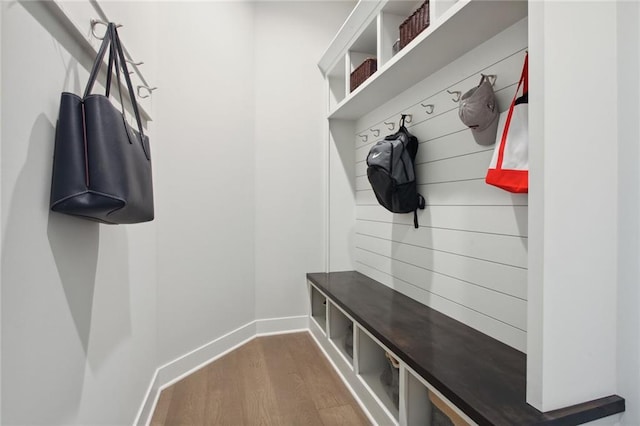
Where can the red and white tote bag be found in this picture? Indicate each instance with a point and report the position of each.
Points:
(509, 168)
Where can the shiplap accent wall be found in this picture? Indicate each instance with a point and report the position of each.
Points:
(468, 259)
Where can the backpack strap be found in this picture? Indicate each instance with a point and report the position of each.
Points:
(421, 205)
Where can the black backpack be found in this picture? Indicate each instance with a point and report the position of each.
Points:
(392, 175)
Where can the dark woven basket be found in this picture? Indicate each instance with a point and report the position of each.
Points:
(414, 24)
(363, 72)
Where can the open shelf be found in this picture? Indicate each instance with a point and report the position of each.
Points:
(319, 308)
(371, 365)
(418, 407)
(337, 81)
(340, 332)
(460, 27)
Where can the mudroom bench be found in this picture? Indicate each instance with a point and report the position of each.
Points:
(447, 372)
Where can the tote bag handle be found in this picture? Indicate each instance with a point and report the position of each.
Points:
(524, 82)
(116, 58)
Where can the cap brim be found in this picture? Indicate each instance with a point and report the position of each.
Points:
(488, 135)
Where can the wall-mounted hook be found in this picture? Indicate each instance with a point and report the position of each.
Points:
(148, 89)
(376, 132)
(491, 77)
(364, 137)
(456, 94)
(391, 125)
(405, 118)
(129, 61)
(95, 22)
(429, 107)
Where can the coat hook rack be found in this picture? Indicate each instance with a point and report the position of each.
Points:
(429, 107)
(457, 94)
(95, 22)
(491, 77)
(148, 89)
(391, 125)
(376, 132)
(364, 137)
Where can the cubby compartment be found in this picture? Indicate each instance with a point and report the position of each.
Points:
(417, 405)
(319, 308)
(365, 47)
(337, 80)
(423, 405)
(444, 412)
(390, 18)
(374, 368)
(341, 332)
(388, 35)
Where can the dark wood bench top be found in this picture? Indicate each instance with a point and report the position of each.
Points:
(482, 376)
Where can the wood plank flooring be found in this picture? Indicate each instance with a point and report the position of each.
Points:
(274, 380)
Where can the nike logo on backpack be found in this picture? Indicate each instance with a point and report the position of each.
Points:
(376, 155)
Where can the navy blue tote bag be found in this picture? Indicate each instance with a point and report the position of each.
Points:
(101, 165)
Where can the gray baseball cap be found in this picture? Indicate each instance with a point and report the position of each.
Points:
(479, 111)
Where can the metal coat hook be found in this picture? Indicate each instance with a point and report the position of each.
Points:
(129, 61)
(429, 107)
(457, 94)
(364, 137)
(148, 89)
(376, 132)
(491, 77)
(95, 22)
(408, 118)
(391, 125)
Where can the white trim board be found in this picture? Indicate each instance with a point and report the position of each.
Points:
(175, 370)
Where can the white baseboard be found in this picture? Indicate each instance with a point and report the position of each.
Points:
(265, 327)
(190, 362)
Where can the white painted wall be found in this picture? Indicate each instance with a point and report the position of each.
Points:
(110, 304)
(290, 149)
(78, 298)
(205, 167)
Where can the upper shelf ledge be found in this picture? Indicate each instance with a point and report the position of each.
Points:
(467, 24)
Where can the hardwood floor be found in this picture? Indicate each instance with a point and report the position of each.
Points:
(274, 380)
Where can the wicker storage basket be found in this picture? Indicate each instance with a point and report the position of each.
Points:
(414, 24)
(363, 72)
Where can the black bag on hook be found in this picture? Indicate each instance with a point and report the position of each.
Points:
(101, 165)
(391, 172)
